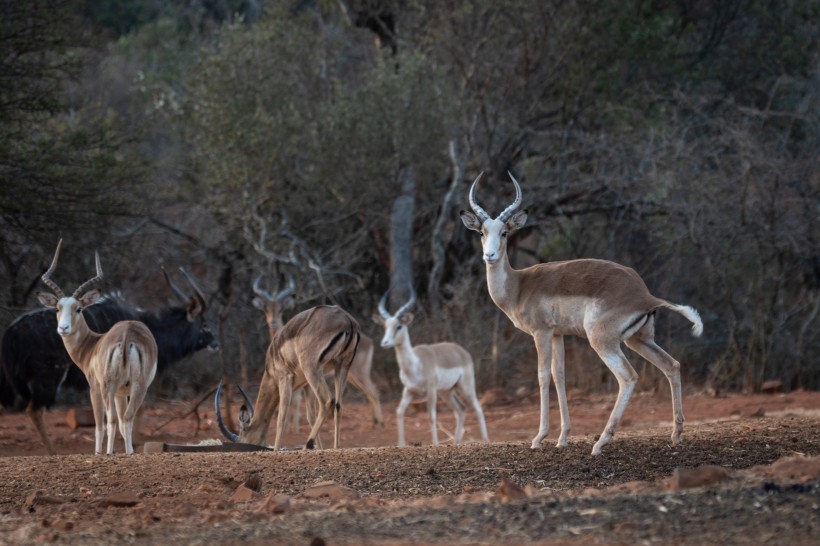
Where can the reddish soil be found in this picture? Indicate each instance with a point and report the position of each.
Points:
(767, 489)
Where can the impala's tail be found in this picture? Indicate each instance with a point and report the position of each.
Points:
(691, 315)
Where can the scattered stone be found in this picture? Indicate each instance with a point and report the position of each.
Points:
(495, 397)
(122, 499)
(79, 417)
(274, 504)
(796, 468)
(253, 482)
(39, 497)
(759, 413)
(154, 447)
(329, 489)
(244, 493)
(772, 386)
(509, 491)
(686, 478)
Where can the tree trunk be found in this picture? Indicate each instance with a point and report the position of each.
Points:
(401, 235)
(438, 242)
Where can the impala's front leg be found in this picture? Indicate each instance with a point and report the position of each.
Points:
(560, 387)
(285, 393)
(543, 344)
(99, 416)
(406, 398)
(431, 410)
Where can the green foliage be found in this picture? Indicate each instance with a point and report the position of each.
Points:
(679, 138)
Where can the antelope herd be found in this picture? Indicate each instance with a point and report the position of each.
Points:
(602, 301)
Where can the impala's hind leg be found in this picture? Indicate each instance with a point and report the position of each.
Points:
(670, 367)
(610, 352)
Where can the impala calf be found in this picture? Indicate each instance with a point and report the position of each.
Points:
(320, 339)
(119, 365)
(427, 371)
(603, 301)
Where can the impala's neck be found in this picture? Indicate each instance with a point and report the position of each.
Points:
(404, 349)
(502, 283)
(80, 343)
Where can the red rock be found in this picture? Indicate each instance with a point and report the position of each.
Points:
(685, 478)
(329, 489)
(244, 493)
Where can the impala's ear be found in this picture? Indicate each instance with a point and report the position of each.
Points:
(470, 220)
(90, 298)
(258, 303)
(378, 319)
(406, 318)
(47, 299)
(517, 220)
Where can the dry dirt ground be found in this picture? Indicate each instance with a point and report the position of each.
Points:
(759, 480)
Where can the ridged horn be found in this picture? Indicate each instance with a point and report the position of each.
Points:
(228, 434)
(46, 278)
(481, 213)
(506, 213)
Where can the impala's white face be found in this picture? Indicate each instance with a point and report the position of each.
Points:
(494, 235)
(395, 330)
(69, 309)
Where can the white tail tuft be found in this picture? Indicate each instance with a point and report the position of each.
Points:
(692, 315)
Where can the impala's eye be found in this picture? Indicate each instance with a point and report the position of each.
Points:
(504, 234)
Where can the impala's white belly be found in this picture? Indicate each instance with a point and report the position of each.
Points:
(568, 315)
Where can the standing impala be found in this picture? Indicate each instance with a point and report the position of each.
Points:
(119, 365)
(603, 301)
(273, 305)
(427, 371)
(318, 339)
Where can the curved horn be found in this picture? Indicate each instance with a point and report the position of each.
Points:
(228, 434)
(383, 305)
(406, 307)
(288, 290)
(93, 280)
(196, 288)
(506, 213)
(481, 213)
(259, 291)
(47, 275)
(247, 399)
(174, 288)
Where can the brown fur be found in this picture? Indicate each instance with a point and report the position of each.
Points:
(293, 359)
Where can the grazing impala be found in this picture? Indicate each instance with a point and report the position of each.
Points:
(603, 301)
(318, 339)
(273, 306)
(427, 371)
(119, 365)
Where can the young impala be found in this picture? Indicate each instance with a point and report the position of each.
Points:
(320, 339)
(603, 301)
(427, 371)
(360, 370)
(119, 365)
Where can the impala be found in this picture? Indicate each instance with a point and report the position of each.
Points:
(119, 365)
(427, 371)
(601, 300)
(320, 339)
(36, 365)
(273, 306)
